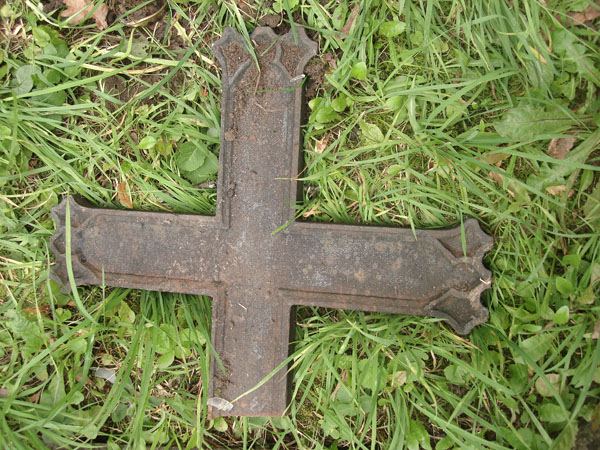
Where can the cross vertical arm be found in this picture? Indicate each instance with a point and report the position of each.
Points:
(135, 249)
(260, 138)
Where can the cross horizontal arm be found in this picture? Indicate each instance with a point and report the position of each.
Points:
(136, 249)
(388, 270)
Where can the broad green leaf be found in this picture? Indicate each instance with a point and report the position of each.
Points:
(160, 340)
(395, 169)
(445, 443)
(27, 331)
(564, 286)
(164, 146)
(41, 37)
(119, 413)
(344, 395)
(24, 80)
(54, 390)
(190, 156)
(77, 345)
(5, 132)
(329, 426)
(371, 131)
(77, 398)
(359, 71)
(368, 369)
(561, 316)
(566, 439)
(550, 412)
(392, 29)
(524, 123)
(535, 347)
(147, 143)
(209, 167)
(125, 313)
(339, 104)
(338, 18)
(587, 297)
(397, 379)
(396, 102)
(282, 5)
(325, 113)
(417, 437)
(519, 377)
(544, 387)
(220, 424)
(567, 45)
(455, 374)
(571, 260)
(165, 360)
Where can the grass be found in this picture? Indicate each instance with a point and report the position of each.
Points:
(425, 114)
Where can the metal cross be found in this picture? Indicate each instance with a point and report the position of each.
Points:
(254, 275)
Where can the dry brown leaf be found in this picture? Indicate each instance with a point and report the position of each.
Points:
(123, 196)
(495, 158)
(4, 393)
(591, 13)
(35, 398)
(321, 144)
(560, 147)
(351, 19)
(596, 332)
(556, 190)
(497, 177)
(77, 10)
(312, 212)
(330, 59)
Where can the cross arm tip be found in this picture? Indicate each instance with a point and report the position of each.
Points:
(58, 245)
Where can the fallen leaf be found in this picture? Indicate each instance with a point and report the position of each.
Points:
(4, 393)
(321, 144)
(109, 375)
(556, 190)
(77, 10)
(43, 310)
(560, 147)
(219, 403)
(495, 158)
(509, 184)
(35, 398)
(591, 13)
(544, 386)
(596, 332)
(497, 177)
(312, 211)
(351, 19)
(331, 60)
(123, 196)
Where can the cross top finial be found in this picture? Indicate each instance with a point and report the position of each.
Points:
(290, 52)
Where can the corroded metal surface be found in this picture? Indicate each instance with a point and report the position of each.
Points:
(255, 276)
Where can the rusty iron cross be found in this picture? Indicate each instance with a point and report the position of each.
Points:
(255, 276)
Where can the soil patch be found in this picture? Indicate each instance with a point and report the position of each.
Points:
(125, 8)
(315, 70)
(235, 56)
(126, 90)
(290, 57)
(270, 20)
